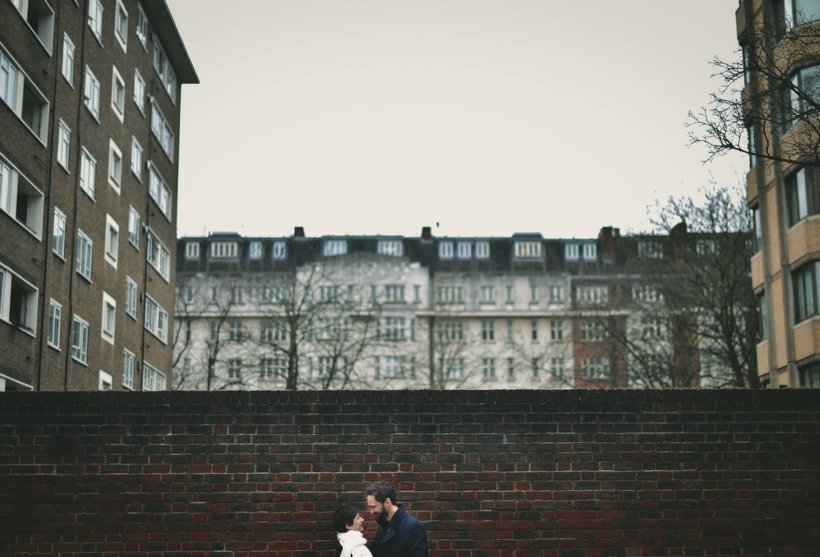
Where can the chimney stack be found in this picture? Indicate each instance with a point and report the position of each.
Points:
(299, 232)
(426, 233)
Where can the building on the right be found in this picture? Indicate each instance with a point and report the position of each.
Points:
(780, 41)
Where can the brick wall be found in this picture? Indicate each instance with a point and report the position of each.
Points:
(491, 473)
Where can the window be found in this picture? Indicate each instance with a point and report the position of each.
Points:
(152, 378)
(32, 107)
(394, 293)
(133, 227)
(162, 130)
(95, 18)
(20, 199)
(796, 12)
(762, 316)
(334, 247)
(557, 367)
(163, 68)
(393, 328)
(487, 329)
(142, 27)
(453, 368)
(556, 330)
(534, 329)
(106, 382)
(136, 159)
(651, 327)
(595, 369)
(130, 298)
(255, 250)
(223, 250)
(121, 25)
(129, 364)
(510, 369)
(68, 60)
(390, 247)
(650, 250)
(591, 295)
(63, 145)
(533, 294)
(705, 246)
(810, 376)
(235, 330)
(79, 340)
(18, 301)
(109, 318)
(117, 94)
(139, 91)
(510, 295)
(91, 92)
(487, 294)
(450, 294)
(488, 369)
(535, 365)
(112, 241)
(510, 329)
(590, 252)
(482, 250)
(280, 250)
(805, 291)
(88, 173)
(451, 330)
(156, 319)
(527, 250)
(801, 96)
(159, 191)
(55, 314)
(58, 234)
(329, 293)
(270, 368)
(571, 252)
(464, 250)
(556, 294)
(191, 250)
(40, 18)
(445, 250)
(158, 255)
(801, 195)
(190, 292)
(758, 230)
(114, 165)
(236, 294)
(592, 330)
(645, 293)
(273, 331)
(84, 253)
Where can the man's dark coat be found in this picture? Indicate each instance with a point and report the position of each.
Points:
(401, 536)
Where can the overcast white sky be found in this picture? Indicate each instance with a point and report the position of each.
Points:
(475, 117)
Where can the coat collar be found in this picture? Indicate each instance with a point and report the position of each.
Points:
(389, 526)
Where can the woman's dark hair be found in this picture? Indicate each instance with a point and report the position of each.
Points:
(344, 515)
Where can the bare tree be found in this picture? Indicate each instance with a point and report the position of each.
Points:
(769, 99)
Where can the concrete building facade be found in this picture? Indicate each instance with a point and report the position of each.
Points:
(781, 57)
(426, 312)
(88, 179)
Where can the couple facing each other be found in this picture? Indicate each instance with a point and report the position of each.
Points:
(399, 533)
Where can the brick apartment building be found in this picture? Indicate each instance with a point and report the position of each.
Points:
(426, 312)
(88, 181)
(781, 84)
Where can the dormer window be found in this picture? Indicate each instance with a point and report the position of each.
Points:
(255, 250)
(334, 247)
(445, 250)
(590, 252)
(528, 250)
(464, 250)
(571, 252)
(223, 250)
(650, 250)
(482, 250)
(390, 247)
(280, 250)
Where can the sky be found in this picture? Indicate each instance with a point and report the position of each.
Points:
(474, 117)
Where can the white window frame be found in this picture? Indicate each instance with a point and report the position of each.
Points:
(394, 248)
(17, 89)
(464, 250)
(191, 250)
(158, 255)
(114, 166)
(445, 250)
(95, 21)
(255, 250)
(139, 91)
(331, 248)
(64, 145)
(142, 27)
(162, 66)
(152, 378)
(571, 252)
(136, 158)
(590, 252)
(79, 339)
(120, 21)
(58, 234)
(91, 91)
(67, 66)
(117, 94)
(156, 319)
(134, 221)
(55, 319)
(527, 249)
(162, 131)
(11, 282)
(129, 366)
(279, 250)
(13, 186)
(224, 250)
(112, 241)
(83, 261)
(131, 291)
(159, 192)
(87, 176)
(482, 250)
(108, 322)
(106, 382)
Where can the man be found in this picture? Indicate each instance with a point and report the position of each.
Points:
(349, 526)
(399, 533)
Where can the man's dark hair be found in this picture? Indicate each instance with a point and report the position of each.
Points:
(382, 491)
(344, 515)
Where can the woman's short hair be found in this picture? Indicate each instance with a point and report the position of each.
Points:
(344, 516)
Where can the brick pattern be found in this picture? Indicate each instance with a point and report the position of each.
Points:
(491, 473)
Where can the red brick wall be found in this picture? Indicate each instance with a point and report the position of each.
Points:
(491, 473)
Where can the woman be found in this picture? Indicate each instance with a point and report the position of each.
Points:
(349, 526)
